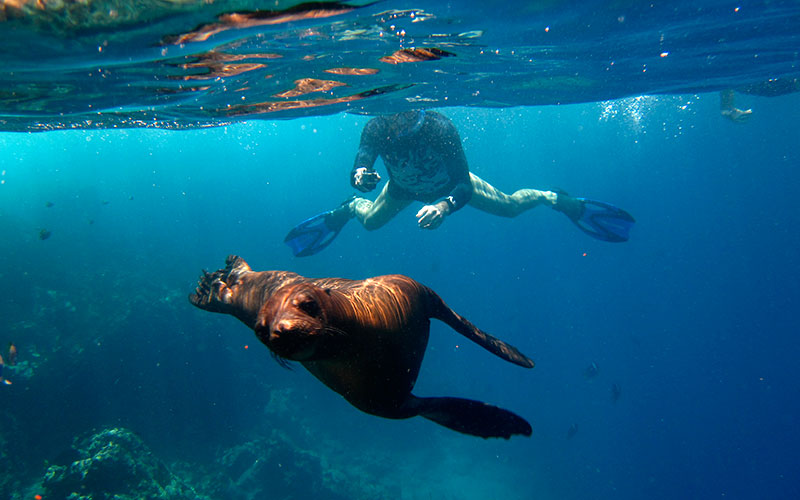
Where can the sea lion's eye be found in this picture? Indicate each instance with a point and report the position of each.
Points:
(308, 306)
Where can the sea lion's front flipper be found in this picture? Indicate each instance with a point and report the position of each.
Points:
(213, 292)
(471, 417)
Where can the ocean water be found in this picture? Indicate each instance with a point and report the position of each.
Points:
(693, 320)
(195, 63)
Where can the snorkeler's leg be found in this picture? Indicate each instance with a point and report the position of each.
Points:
(374, 214)
(728, 109)
(489, 199)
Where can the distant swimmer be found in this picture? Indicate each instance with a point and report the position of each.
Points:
(771, 88)
(591, 371)
(616, 391)
(728, 109)
(425, 160)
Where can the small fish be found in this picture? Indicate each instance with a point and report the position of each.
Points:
(3, 381)
(616, 391)
(49, 204)
(12, 354)
(573, 429)
(592, 370)
(44, 234)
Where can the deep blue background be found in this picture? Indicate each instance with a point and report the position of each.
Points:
(694, 318)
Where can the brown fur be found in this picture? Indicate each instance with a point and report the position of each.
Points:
(363, 339)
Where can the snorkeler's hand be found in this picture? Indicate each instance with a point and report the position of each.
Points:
(365, 180)
(431, 216)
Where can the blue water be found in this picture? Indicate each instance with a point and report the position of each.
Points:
(694, 318)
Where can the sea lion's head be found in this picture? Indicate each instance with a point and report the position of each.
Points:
(293, 322)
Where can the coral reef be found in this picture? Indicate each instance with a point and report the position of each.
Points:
(265, 467)
(277, 467)
(114, 463)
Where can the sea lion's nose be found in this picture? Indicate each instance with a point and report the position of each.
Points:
(280, 327)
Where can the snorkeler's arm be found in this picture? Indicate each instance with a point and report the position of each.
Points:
(363, 177)
(446, 141)
(458, 169)
(459, 196)
(432, 216)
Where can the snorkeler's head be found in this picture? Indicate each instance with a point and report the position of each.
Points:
(405, 123)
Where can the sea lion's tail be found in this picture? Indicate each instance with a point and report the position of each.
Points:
(442, 312)
(471, 417)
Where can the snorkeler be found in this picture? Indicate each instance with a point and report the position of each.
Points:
(728, 109)
(425, 161)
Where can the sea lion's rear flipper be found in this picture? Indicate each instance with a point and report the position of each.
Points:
(442, 312)
(471, 417)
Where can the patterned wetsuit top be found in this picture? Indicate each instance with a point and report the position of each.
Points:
(426, 164)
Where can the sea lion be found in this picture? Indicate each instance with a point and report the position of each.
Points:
(364, 339)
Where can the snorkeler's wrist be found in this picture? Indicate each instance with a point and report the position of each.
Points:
(447, 205)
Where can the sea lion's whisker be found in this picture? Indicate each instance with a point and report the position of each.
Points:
(333, 329)
(281, 361)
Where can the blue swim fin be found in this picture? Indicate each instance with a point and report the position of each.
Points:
(315, 233)
(598, 219)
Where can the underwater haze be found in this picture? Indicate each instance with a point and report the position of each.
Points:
(666, 366)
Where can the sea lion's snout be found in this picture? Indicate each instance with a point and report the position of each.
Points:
(275, 334)
(291, 323)
(291, 338)
(283, 328)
